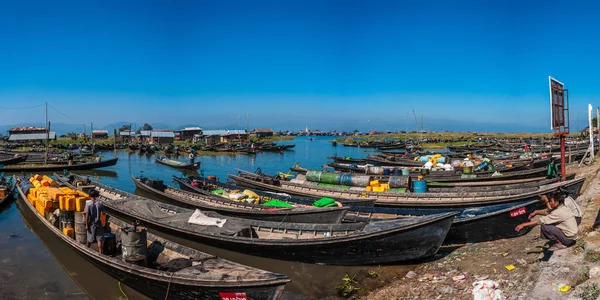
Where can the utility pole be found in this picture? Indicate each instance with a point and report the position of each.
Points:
(406, 124)
(422, 127)
(92, 135)
(248, 128)
(47, 135)
(236, 128)
(598, 121)
(416, 122)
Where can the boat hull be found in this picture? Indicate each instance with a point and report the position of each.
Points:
(155, 286)
(314, 215)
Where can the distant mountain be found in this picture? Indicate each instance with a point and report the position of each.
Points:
(431, 124)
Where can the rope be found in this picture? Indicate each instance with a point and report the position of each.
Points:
(169, 286)
(286, 215)
(28, 107)
(121, 289)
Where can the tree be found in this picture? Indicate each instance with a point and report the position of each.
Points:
(146, 126)
(72, 135)
(125, 127)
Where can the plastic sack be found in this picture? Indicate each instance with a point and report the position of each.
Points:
(487, 290)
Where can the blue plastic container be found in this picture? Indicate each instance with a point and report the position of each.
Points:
(405, 172)
(419, 186)
(386, 171)
(396, 172)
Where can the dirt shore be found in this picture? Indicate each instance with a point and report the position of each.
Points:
(519, 265)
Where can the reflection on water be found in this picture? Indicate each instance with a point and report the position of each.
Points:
(24, 261)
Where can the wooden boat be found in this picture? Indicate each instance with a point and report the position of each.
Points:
(18, 158)
(8, 187)
(211, 185)
(451, 177)
(226, 207)
(210, 277)
(409, 199)
(177, 164)
(472, 225)
(55, 167)
(336, 244)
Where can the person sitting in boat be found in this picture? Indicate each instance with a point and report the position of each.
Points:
(558, 226)
(93, 225)
(569, 202)
(192, 157)
(70, 158)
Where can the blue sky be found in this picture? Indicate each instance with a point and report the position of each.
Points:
(475, 65)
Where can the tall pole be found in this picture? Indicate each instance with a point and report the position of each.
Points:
(422, 127)
(406, 124)
(248, 128)
(47, 135)
(591, 130)
(598, 121)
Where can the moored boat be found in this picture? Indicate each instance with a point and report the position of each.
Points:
(60, 167)
(405, 199)
(336, 244)
(17, 158)
(202, 276)
(6, 190)
(243, 209)
(177, 164)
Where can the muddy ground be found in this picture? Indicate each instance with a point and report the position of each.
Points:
(537, 274)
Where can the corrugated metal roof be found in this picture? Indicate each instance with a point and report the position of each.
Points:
(100, 131)
(191, 129)
(223, 132)
(30, 136)
(166, 134)
(127, 133)
(145, 132)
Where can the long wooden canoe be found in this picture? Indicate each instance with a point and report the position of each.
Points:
(409, 199)
(314, 215)
(177, 164)
(54, 167)
(209, 277)
(335, 244)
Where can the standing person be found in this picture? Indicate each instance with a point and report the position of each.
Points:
(70, 158)
(93, 224)
(569, 202)
(552, 171)
(559, 225)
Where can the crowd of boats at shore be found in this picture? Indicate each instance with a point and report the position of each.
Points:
(384, 209)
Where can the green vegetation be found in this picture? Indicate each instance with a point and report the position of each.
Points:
(591, 256)
(583, 276)
(347, 287)
(590, 292)
(373, 274)
(579, 246)
(275, 138)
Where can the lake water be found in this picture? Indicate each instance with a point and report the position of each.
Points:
(34, 264)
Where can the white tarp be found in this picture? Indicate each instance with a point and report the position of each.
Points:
(199, 218)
